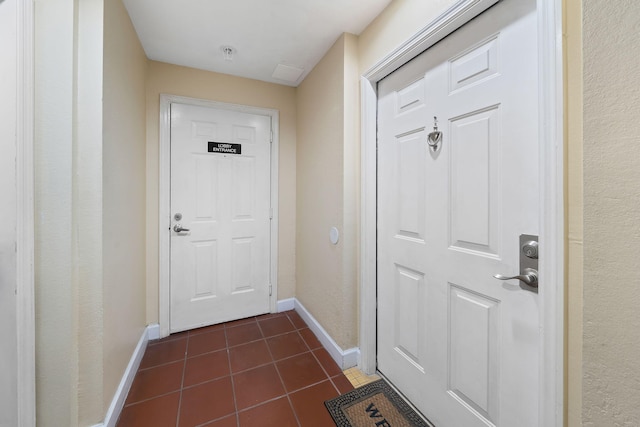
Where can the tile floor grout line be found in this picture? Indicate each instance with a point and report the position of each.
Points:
(159, 365)
(151, 398)
(247, 343)
(206, 353)
(248, 369)
(200, 330)
(274, 362)
(184, 370)
(291, 357)
(190, 386)
(320, 363)
(303, 340)
(335, 385)
(271, 399)
(308, 386)
(160, 341)
(215, 420)
(233, 384)
(324, 370)
(244, 322)
(284, 387)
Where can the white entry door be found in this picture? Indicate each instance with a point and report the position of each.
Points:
(460, 344)
(220, 198)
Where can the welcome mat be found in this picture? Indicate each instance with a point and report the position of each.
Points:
(373, 405)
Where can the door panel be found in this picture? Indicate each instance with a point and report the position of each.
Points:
(462, 346)
(475, 172)
(220, 268)
(473, 350)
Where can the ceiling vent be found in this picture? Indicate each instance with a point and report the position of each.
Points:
(287, 73)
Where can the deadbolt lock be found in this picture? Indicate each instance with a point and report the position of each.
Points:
(530, 249)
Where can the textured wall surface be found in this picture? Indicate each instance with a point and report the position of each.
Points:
(611, 362)
(87, 210)
(326, 193)
(124, 194)
(177, 80)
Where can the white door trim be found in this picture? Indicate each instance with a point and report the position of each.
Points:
(551, 187)
(164, 196)
(25, 298)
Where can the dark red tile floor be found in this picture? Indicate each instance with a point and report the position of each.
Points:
(263, 371)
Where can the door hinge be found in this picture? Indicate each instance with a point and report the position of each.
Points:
(270, 289)
(271, 137)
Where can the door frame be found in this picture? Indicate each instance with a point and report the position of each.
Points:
(164, 220)
(551, 209)
(25, 230)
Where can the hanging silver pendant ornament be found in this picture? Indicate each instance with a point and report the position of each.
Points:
(435, 137)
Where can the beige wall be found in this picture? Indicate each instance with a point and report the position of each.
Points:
(327, 177)
(573, 205)
(124, 194)
(611, 337)
(86, 231)
(177, 80)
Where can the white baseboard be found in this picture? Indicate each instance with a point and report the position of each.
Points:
(286, 304)
(344, 358)
(117, 403)
(153, 331)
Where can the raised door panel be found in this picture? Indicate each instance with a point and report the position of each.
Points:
(243, 261)
(475, 201)
(410, 186)
(473, 351)
(474, 65)
(206, 265)
(243, 188)
(206, 194)
(409, 331)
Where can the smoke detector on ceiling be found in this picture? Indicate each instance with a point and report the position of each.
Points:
(227, 52)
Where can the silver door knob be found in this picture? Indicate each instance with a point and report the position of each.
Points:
(178, 228)
(530, 277)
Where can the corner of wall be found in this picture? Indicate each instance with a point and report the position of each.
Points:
(123, 194)
(326, 161)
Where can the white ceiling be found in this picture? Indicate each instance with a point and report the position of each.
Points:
(264, 33)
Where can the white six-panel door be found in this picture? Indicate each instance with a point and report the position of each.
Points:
(220, 267)
(461, 345)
